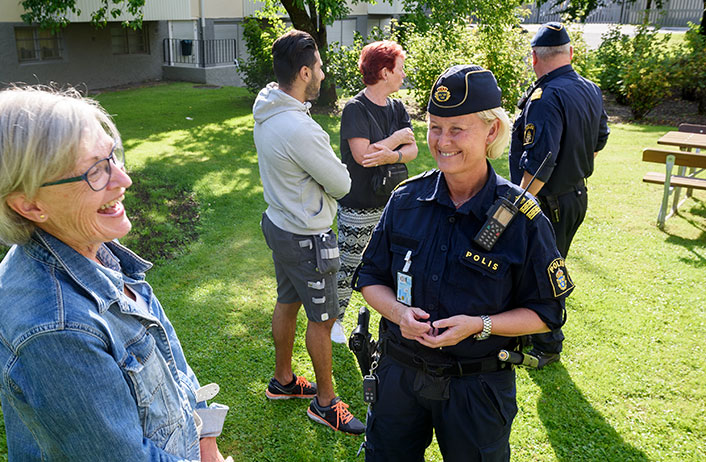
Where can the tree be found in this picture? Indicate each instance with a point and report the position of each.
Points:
(313, 16)
(446, 14)
(53, 14)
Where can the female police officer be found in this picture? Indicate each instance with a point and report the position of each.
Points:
(449, 305)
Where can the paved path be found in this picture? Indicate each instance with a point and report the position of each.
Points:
(592, 32)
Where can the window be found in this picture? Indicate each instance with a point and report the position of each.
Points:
(35, 44)
(127, 41)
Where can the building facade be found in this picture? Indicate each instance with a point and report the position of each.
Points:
(192, 40)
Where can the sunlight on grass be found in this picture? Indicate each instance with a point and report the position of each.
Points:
(630, 386)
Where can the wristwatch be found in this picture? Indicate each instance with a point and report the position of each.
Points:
(487, 326)
(399, 156)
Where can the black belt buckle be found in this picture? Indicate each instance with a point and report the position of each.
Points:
(435, 370)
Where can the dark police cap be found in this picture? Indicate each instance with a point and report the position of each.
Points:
(551, 34)
(464, 89)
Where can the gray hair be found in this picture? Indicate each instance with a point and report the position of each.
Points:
(41, 131)
(550, 52)
(498, 145)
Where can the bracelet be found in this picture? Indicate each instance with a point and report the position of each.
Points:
(399, 156)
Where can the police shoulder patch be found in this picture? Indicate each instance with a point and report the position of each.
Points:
(536, 94)
(528, 137)
(559, 277)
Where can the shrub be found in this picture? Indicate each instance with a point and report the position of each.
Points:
(430, 53)
(635, 69)
(343, 59)
(502, 50)
(259, 32)
(343, 65)
(645, 80)
(690, 67)
(610, 57)
(585, 61)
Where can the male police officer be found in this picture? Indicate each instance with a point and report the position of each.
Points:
(562, 113)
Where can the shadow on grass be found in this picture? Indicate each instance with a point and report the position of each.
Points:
(576, 431)
(696, 217)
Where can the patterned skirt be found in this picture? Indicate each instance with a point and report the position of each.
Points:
(355, 226)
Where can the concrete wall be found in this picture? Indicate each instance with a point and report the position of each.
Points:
(221, 75)
(154, 10)
(87, 59)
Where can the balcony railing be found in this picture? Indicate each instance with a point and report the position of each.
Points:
(199, 53)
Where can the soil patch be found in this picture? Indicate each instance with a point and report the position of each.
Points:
(672, 111)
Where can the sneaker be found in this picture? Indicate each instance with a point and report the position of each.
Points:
(544, 358)
(299, 387)
(337, 333)
(335, 416)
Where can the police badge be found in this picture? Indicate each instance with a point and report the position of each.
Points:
(442, 94)
(559, 277)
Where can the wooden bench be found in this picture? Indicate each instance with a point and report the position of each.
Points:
(692, 128)
(673, 183)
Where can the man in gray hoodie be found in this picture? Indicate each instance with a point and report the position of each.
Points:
(301, 178)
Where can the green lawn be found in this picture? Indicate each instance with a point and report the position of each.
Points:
(630, 387)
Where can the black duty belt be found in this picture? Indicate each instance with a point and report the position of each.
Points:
(449, 367)
(581, 187)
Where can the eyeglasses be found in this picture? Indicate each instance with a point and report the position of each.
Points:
(98, 174)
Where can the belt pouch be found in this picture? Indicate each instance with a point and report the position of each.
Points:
(430, 387)
(553, 206)
(328, 259)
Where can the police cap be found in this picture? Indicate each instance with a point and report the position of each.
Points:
(551, 34)
(464, 89)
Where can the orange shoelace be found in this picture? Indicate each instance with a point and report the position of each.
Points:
(302, 382)
(342, 413)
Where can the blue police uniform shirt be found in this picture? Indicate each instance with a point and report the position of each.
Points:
(564, 115)
(450, 274)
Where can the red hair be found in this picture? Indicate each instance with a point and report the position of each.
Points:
(377, 56)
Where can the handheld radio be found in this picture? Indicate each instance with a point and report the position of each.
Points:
(501, 214)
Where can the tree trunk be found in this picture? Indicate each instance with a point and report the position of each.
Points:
(328, 96)
(314, 23)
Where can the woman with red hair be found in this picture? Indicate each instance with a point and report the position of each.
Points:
(376, 132)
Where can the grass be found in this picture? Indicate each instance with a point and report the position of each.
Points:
(630, 386)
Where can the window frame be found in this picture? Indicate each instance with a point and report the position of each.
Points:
(125, 35)
(38, 56)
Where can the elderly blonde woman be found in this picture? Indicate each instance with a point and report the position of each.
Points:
(448, 304)
(91, 366)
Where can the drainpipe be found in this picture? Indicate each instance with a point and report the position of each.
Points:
(202, 26)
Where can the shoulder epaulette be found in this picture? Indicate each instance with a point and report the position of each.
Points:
(527, 206)
(417, 177)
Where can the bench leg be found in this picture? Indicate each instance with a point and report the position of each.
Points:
(661, 217)
(677, 191)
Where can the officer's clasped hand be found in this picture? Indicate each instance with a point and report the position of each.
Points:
(450, 331)
(411, 323)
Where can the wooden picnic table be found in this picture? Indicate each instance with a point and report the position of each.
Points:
(696, 161)
(685, 140)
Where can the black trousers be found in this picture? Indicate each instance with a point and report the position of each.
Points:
(473, 425)
(572, 211)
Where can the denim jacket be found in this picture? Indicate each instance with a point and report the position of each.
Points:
(86, 373)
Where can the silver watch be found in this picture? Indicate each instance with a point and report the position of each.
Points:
(487, 326)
